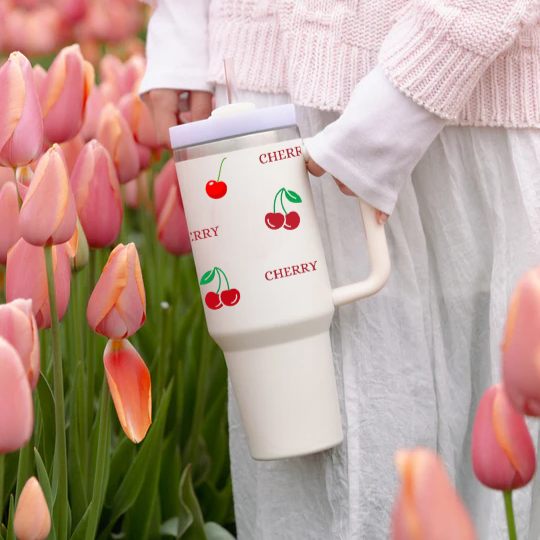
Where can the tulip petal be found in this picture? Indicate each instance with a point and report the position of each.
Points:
(16, 407)
(32, 517)
(130, 387)
(165, 179)
(9, 220)
(172, 227)
(12, 95)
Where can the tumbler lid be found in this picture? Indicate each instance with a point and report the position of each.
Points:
(226, 124)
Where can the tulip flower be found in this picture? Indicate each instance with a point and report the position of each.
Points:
(9, 219)
(117, 307)
(48, 214)
(139, 119)
(24, 177)
(164, 181)
(112, 21)
(17, 420)
(21, 127)
(114, 134)
(520, 366)
(6, 175)
(172, 230)
(98, 98)
(18, 326)
(130, 387)
(503, 453)
(136, 192)
(71, 150)
(97, 195)
(26, 277)
(32, 517)
(145, 157)
(64, 93)
(77, 249)
(39, 77)
(428, 507)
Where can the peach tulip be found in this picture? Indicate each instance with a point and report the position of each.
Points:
(64, 93)
(71, 11)
(125, 77)
(24, 177)
(40, 74)
(71, 150)
(115, 135)
(26, 277)
(6, 175)
(138, 117)
(9, 219)
(21, 127)
(428, 507)
(520, 362)
(136, 192)
(32, 517)
(19, 327)
(97, 195)
(16, 407)
(145, 157)
(98, 98)
(48, 214)
(130, 387)
(117, 307)
(163, 183)
(503, 454)
(172, 230)
(77, 249)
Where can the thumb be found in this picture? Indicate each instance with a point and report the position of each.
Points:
(200, 105)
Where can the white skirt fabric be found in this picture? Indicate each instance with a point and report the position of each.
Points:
(412, 362)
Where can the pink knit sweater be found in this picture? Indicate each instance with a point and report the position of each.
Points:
(474, 62)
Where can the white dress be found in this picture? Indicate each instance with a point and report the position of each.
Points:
(413, 361)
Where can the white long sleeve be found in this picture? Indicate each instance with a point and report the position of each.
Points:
(376, 143)
(177, 46)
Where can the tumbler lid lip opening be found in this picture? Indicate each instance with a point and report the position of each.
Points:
(234, 125)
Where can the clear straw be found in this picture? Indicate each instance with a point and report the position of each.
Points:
(230, 80)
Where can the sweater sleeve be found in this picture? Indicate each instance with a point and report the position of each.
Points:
(177, 46)
(438, 49)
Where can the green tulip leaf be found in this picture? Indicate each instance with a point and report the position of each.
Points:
(46, 405)
(216, 532)
(208, 277)
(293, 197)
(11, 519)
(190, 520)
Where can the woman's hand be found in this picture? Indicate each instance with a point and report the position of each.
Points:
(316, 170)
(164, 105)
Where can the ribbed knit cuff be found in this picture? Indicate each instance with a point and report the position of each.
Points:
(422, 60)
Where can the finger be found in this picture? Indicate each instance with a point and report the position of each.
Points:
(382, 218)
(343, 188)
(314, 168)
(163, 105)
(200, 104)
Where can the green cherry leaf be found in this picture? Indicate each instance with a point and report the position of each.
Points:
(208, 277)
(293, 197)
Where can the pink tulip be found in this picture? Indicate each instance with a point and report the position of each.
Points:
(503, 453)
(21, 127)
(428, 507)
(18, 326)
(114, 134)
(24, 177)
(117, 307)
(145, 157)
(48, 214)
(138, 117)
(32, 517)
(16, 407)
(6, 175)
(521, 368)
(125, 77)
(136, 192)
(40, 75)
(9, 219)
(71, 11)
(71, 150)
(26, 277)
(112, 21)
(97, 195)
(165, 180)
(64, 94)
(130, 387)
(99, 97)
(172, 228)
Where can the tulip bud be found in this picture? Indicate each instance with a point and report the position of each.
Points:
(145, 157)
(521, 375)
(172, 229)
(428, 507)
(24, 177)
(139, 119)
(503, 453)
(117, 307)
(26, 277)
(136, 192)
(78, 249)
(97, 195)
(21, 127)
(39, 77)
(98, 98)
(9, 219)
(114, 134)
(164, 181)
(71, 150)
(17, 420)
(64, 94)
(6, 175)
(18, 326)
(48, 214)
(32, 517)
(130, 387)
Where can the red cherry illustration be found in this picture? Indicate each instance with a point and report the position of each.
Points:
(213, 301)
(292, 221)
(274, 221)
(216, 189)
(231, 297)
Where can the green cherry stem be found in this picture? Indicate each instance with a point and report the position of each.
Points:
(220, 169)
(220, 270)
(276, 198)
(219, 276)
(281, 200)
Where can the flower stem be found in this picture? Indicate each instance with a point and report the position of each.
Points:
(512, 534)
(2, 474)
(91, 344)
(60, 505)
(220, 169)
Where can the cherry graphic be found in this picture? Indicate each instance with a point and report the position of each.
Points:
(230, 297)
(274, 221)
(213, 300)
(289, 221)
(216, 189)
(292, 221)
